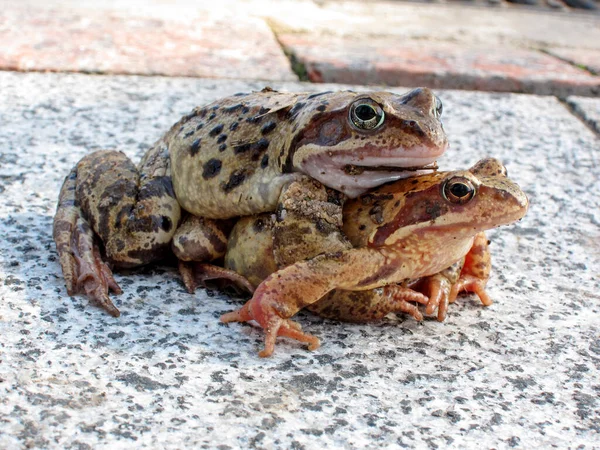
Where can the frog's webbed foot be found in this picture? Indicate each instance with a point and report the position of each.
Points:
(273, 324)
(402, 299)
(197, 274)
(79, 255)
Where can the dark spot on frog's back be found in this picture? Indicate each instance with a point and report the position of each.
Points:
(235, 179)
(222, 138)
(157, 187)
(216, 130)
(254, 119)
(232, 109)
(166, 223)
(233, 126)
(195, 147)
(321, 108)
(212, 168)
(264, 162)
(268, 127)
(318, 94)
(296, 109)
(257, 148)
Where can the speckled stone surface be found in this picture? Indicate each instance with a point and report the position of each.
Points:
(522, 373)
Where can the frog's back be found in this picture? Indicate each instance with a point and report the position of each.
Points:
(233, 157)
(220, 154)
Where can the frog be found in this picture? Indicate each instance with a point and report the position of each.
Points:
(416, 241)
(309, 222)
(231, 158)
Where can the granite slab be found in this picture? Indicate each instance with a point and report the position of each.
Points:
(588, 109)
(521, 373)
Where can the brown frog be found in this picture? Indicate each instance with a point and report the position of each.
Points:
(233, 157)
(425, 229)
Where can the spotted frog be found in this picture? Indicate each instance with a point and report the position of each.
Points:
(232, 158)
(417, 240)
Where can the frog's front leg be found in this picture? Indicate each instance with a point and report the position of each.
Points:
(469, 274)
(476, 271)
(133, 212)
(198, 241)
(288, 290)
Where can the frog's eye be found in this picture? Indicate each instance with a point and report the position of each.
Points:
(439, 108)
(365, 114)
(458, 190)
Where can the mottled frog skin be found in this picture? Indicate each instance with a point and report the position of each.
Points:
(231, 158)
(422, 234)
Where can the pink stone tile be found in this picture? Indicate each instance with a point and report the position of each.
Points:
(436, 64)
(63, 40)
(589, 59)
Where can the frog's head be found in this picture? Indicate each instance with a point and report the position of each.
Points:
(353, 142)
(443, 205)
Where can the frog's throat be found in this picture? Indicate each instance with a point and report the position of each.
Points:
(355, 175)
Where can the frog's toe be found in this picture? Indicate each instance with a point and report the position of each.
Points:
(96, 291)
(197, 274)
(293, 330)
(439, 288)
(402, 299)
(90, 274)
(471, 283)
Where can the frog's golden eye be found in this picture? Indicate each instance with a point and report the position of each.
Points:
(365, 114)
(439, 108)
(458, 190)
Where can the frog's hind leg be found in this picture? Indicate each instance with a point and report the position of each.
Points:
(134, 213)
(196, 242)
(79, 255)
(197, 274)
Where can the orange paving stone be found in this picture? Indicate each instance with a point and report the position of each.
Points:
(106, 42)
(391, 61)
(583, 57)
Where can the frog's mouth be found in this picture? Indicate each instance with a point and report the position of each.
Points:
(352, 169)
(354, 176)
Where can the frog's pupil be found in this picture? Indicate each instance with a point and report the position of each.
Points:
(365, 112)
(460, 190)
